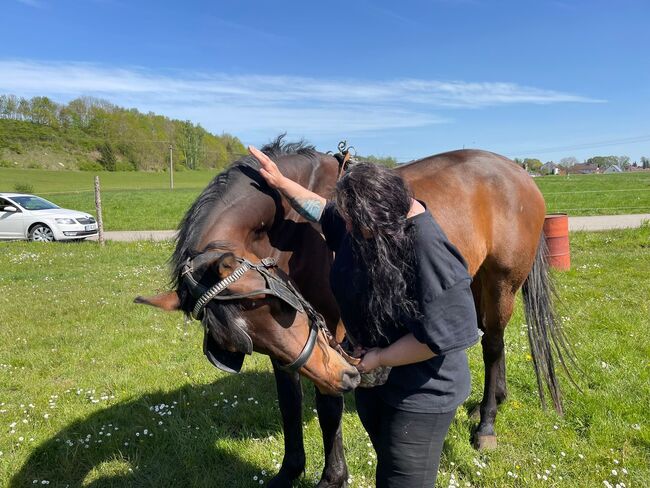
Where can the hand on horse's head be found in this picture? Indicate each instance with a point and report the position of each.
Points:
(269, 170)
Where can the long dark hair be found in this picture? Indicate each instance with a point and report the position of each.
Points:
(377, 199)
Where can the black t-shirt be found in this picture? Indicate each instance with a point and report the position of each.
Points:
(447, 325)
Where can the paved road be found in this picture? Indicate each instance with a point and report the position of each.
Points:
(607, 222)
(597, 222)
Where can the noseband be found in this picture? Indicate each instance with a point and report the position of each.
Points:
(275, 286)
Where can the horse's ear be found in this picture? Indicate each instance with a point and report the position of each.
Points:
(227, 264)
(168, 301)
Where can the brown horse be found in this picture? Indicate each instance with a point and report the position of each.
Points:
(490, 210)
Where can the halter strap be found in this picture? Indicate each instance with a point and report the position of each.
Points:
(316, 321)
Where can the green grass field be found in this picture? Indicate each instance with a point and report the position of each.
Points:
(96, 391)
(143, 201)
(615, 194)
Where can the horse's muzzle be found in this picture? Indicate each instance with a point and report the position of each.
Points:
(350, 380)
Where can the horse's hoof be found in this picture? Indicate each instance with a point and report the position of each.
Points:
(333, 482)
(328, 484)
(485, 442)
(280, 481)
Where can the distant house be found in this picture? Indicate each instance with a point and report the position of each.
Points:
(583, 169)
(637, 168)
(613, 169)
(551, 168)
(548, 168)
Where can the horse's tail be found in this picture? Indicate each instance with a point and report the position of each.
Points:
(545, 335)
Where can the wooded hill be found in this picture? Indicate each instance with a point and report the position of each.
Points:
(93, 134)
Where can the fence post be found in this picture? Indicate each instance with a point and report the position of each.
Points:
(98, 208)
(171, 167)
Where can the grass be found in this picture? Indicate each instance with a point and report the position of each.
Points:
(57, 182)
(615, 194)
(131, 199)
(79, 361)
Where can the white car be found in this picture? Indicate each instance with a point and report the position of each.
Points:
(34, 218)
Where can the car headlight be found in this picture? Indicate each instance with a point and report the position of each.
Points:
(65, 221)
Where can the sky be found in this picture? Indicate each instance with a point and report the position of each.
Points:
(545, 79)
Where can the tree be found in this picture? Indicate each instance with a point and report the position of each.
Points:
(119, 137)
(107, 158)
(603, 161)
(233, 145)
(44, 111)
(568, 162)
(532, 164)
(623, 162)
(24, 109)
(8, 107)
(190, 143)
(645, 162)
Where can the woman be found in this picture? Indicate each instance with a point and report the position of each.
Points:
(404, 295)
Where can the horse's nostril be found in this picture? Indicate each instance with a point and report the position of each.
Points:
(350, 380)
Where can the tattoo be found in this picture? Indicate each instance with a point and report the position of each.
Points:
(309, 208)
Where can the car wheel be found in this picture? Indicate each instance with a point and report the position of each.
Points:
(41, 233)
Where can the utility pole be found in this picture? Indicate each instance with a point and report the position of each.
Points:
(171, 167)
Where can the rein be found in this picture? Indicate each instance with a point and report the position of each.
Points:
(282, 289)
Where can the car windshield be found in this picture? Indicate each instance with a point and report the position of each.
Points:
(34, 203)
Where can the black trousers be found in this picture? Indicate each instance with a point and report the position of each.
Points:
(408, 444)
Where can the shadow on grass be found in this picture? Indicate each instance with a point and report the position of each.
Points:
(197, 444)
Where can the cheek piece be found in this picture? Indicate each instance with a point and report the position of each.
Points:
(274, 285)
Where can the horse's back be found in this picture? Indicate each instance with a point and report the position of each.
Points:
(488, 206)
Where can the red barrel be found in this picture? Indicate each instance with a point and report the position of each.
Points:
(556, 232)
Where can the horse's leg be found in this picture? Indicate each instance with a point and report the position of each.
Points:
(330, 414)
(290, 401)
(497, 301)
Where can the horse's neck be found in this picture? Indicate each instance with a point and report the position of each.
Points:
(319, 178)
(310, 261)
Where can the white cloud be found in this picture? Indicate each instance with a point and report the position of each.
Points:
(257, 104)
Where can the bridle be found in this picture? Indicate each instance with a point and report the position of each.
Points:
(276, 286)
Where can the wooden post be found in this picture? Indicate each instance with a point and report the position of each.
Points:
(171, 167)
(98, 208)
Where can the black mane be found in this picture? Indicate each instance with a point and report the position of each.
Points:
(190, 228)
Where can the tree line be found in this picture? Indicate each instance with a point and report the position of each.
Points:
(602, 162)
(111, 137)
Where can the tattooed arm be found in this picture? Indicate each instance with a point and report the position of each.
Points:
(306, 203)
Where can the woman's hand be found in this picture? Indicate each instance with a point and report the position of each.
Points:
(305, 202)
(370, 360)
(269, 169)
(358, 351)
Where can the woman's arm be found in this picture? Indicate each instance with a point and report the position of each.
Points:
(406, 350)
(306, 203)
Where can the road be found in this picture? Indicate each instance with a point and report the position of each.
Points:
(596, 222)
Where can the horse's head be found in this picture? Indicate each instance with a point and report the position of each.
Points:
(236, 218)
(246, 306)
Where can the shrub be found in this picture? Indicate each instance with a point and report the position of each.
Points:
(107, 158)
(124, 166)
(16, 148)
(35, 165)
(90, 166)
(5, 164)
(24, 188)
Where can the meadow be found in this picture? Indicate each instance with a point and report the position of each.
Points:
(143, 201)
(97, 391)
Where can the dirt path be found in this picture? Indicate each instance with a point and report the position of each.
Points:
(596, 222)
(607, 222)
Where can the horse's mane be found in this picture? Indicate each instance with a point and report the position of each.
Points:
(191, 227)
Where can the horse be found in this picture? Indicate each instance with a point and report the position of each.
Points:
(282, 306)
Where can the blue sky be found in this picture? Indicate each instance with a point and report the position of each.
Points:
(543, 79)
